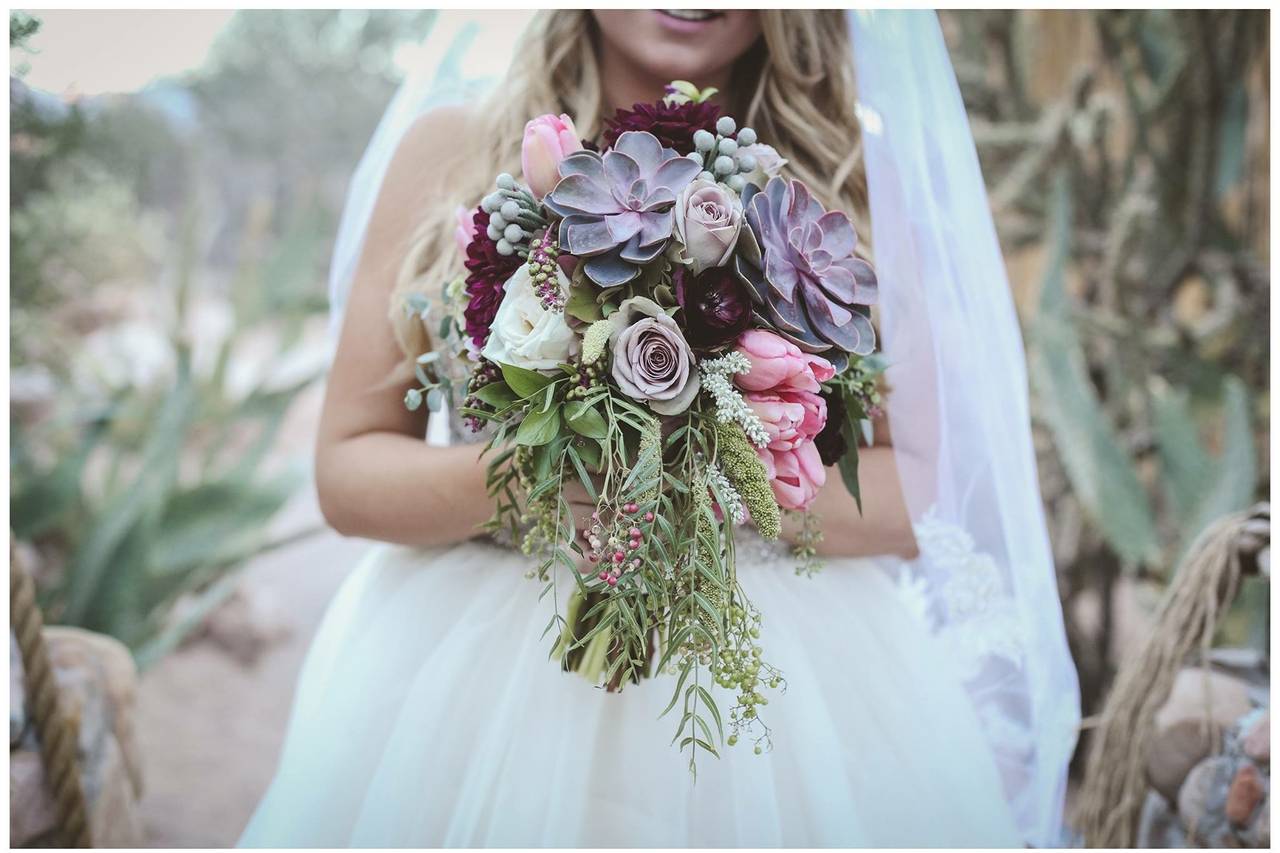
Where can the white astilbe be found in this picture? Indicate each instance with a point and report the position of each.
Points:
(730, 500)
(730, 407)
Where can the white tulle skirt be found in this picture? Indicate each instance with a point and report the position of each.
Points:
(428, 714)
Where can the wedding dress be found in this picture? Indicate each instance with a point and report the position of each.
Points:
(428, 714)
(928, 703)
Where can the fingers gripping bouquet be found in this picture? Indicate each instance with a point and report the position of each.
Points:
(675, 327)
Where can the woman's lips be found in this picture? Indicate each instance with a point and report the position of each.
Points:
(690, 21)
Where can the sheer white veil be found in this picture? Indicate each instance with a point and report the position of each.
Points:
(958, 409)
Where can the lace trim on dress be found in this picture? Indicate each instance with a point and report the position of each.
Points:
(960, 594)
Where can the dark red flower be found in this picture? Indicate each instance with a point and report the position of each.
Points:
(716, 306)
(487, 272)
(830, 442)
(673, 124)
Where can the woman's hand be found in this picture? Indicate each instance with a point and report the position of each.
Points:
(583, 507)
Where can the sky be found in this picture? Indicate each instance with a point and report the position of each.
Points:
(91, 52)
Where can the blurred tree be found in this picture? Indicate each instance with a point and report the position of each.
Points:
(1126, 158)
(288, 95)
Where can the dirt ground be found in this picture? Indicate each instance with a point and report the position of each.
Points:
(210, 727)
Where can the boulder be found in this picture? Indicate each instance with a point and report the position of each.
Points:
(1257, 740)
(1244, 795)
(1159, 826)
(17, 694)
(1199, 693)
(1177, 749)
(1202, 802)
(98, 684)
(1259, 835)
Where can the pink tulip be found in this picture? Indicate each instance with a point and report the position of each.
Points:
(790, 417)
(796, 475)
(547, 141)
(465, 231)
(778, 365)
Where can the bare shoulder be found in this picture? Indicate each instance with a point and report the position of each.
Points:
(418, 174)
(435, 139)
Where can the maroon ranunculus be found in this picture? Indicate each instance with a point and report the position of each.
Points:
(716, 307)
(830, 441)
(487, 272)
(673, 124)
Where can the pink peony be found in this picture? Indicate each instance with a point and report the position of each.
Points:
(791, 418)
(465, 230)
(548, 139)
(795, 475)
(779, 365)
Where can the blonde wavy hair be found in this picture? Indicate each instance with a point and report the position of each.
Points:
(794, 86)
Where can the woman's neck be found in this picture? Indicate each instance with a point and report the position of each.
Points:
(623, 84)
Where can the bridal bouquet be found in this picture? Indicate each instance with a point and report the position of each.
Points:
(669, 322)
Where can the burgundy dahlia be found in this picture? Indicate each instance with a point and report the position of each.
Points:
(673, 124)
(487, 272)
(716, 306)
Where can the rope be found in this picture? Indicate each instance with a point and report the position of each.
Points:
(1114, 788)
(58, 732)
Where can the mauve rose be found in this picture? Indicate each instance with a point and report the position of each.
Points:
(795, 475)
(791, 418)
(777, 364)
(548, 139)
(708, 217)
(651, 360)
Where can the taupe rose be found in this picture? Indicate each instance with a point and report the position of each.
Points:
(651, 361)
(708, 217)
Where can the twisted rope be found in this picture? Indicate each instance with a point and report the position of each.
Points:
(58, 732)
(1115, 783)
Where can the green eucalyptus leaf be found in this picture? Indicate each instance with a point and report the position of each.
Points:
(585, 420)
(496, 394)
(539, 427)
(525, 383)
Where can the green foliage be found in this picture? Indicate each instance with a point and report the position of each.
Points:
(1125, 152)
(1101, 472)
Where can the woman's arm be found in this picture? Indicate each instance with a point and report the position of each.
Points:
(883, 526)
(375, 476)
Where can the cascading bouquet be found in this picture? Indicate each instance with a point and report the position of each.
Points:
(669, 321)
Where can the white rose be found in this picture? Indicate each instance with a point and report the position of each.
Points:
(768, 163)
(524, 333)
(707, 219)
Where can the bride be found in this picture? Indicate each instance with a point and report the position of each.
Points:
(930, 699)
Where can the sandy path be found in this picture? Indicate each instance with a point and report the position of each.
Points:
(210, 728)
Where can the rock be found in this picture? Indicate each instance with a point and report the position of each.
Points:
(114, 817)
(1159, 826)
(248, 623)
(32, 816)
(96, 668)
(1259, 835)
(1176, 750)
(17, 693)
(1243, 796)
(1199, 693)
(1257, 741)
(98, 684)
(1201, 802)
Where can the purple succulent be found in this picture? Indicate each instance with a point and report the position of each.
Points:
(616, 206)
(798, 259)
